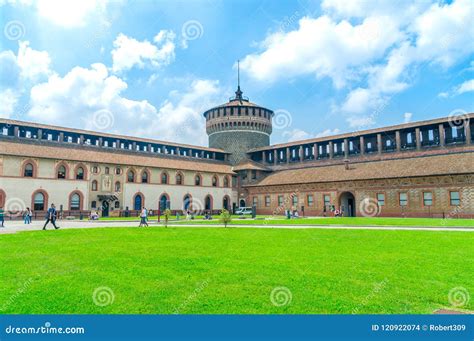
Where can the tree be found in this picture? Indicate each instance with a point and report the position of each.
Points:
(225, 217)
(167, 215)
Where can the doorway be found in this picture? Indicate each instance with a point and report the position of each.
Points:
(347, 204)
(105, 208)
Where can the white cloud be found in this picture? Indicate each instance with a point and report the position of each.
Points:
(8, 101)
(33, 64)
(180, 117)
(129, 52)
(373, 56)
(73, 100)
(467, 86)
(407, 117)
(295, 135)
(69, 13)
(322, 47)
(328, 132)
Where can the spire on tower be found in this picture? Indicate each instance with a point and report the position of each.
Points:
(238, 93)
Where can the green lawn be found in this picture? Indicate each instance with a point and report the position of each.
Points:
(355, 221)
(193, 270)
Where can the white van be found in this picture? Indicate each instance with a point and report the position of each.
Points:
(243, 210)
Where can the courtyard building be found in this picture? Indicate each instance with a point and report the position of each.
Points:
(418, 169)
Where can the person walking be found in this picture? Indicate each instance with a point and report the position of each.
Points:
(143, 217)
(2, 216)
(51, 217)
(27, 216)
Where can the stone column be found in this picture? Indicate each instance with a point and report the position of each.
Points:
(40, 134)
(101, 142)
(379, 143)
(202, 154)
(264, 157)
(346, 148)
(417, 138)
(288, 155)
(190, 153)
(362, 145)
(134, 146)
(213, 154)
(398, 141)
(117, 144)
(148, 148)
(331, 150)
(275, 157)
(301, 154)
(16, 131)
(467, 131)
(61, 137)
(316, 151)
(442, 135)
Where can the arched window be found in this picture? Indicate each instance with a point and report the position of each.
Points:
(118, 170)
(215, 181)
(226, 181)
(94, 185)
(29, 170)
(131, 176)
(107, 170)
(117, 204)
(164, 202)
(197, 180)
(39, 202)
(145, 177)
(179, 179)
(226, 203)
(75, 202)
(138, 202)
(187, 202)
(95, 169)
(80, 173)
(117, 186)
(61, 172)
(208, 203)
(164, 178)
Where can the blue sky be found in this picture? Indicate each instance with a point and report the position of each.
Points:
(150, 68)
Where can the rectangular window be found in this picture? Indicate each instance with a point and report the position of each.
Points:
(295, 200)
(427, 198)
(454, 198)
(280, 200)
(310, 200)
(267, 201)
(381, 199)
(403, 198)
(94, 204)
(255, 201)
(327, 199)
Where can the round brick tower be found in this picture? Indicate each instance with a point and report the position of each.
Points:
(238, 126)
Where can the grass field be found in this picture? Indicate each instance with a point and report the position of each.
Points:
(193, 270)
(354, 221)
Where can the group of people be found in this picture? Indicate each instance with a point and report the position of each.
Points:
(143, 217)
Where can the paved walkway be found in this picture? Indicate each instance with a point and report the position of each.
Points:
(18, 226)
